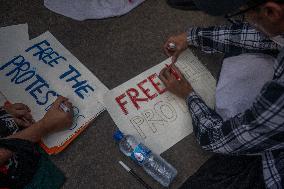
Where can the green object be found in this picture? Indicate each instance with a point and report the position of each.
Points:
(48, 176)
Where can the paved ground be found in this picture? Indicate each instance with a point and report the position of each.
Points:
(115, 50)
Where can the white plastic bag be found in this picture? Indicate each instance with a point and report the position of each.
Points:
(91, 9)
(241, 79)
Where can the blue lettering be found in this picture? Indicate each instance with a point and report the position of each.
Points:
(20, 64)
(53, 93)
(76, 116)
(80, 86)
(36, 91)
(38, 80)
(74, 77)
(28, 74)
(45, 53)
(13, 61)
(83, 89)
(39, 46)
(21, 73)
(52, 59)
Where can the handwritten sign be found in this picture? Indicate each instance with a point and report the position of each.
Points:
(142, 107)
(44, 70)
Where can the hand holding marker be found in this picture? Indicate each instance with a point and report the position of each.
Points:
(172, 46)
(64, 108)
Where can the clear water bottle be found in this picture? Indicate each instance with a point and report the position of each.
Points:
(153, 164)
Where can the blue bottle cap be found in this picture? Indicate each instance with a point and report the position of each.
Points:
(118, 135)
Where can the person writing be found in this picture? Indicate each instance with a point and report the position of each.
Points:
(19, 134)
(258, 129)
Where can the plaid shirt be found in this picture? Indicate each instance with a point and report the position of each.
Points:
(259, 129)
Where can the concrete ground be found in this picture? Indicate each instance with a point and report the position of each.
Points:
(115, 50)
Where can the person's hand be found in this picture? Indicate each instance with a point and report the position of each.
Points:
(181, 88)
(55, 118)
(181, 44)
(21, 114)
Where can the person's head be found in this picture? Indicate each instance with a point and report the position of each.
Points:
(265, 15)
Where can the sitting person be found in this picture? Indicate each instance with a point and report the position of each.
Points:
(19, 133)
(248, 119)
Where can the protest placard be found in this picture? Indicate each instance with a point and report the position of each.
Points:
(142, 107)
(41, 72)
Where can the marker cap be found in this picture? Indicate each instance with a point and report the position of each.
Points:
(118, 135)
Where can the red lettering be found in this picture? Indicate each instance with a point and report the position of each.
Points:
(146, 91)
(122, 104)
(133, 95)
(156, 84)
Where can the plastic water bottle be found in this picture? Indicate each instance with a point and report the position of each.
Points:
(153, 164)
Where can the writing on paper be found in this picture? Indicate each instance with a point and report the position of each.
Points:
(144, 91)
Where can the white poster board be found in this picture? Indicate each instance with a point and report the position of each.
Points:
(141, 106)
(12, 39)
(44, 70)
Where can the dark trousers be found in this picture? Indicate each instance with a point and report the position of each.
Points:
(230, 172)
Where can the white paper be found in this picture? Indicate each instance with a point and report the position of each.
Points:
(38, 95)
(164, 119)
(12, 39)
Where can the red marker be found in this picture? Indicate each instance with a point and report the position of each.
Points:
(172, 71)
(7, 103)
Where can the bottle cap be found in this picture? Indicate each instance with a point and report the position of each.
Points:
(118, 135)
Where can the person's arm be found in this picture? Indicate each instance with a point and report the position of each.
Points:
(234, 39)
(237, 38)
(258, 129)
(54, 120)
(33, 133)
(20, 112)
